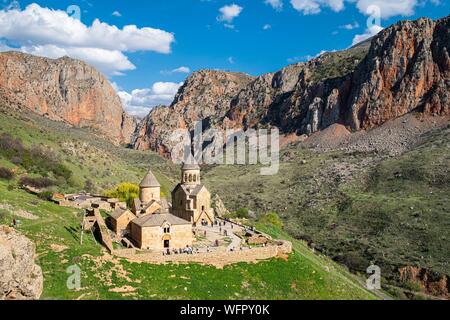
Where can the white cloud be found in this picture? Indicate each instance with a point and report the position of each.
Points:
(182, 70)
(229, 13)
(388, 8)
(350, 26)
(370, 32)
(308, 7)
(140, 101)
(267, 27)
(276, 4)
(115, 86)
(177, 70)
(116, 14)
(229, 26)
(54, 33)
(110, 62)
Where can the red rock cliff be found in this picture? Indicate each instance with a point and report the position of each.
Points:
(64, 90)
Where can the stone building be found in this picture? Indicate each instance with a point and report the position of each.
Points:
(190, 199)
(161, 231)
(149, 196)
(119, 221)
(149, 225)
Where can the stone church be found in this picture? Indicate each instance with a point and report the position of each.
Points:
(152, 225)
(191, 200)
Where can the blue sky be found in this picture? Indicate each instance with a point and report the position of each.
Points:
(252, 36)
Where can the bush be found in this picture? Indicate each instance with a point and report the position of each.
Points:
(125, 192)
(46, 195)
(89, 186)
(38, 159)
(38, 183)
(271, 218)
(354, 261)
(6, 174)
(241, 213)
(412, 286)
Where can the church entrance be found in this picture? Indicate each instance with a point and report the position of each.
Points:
(166, 244)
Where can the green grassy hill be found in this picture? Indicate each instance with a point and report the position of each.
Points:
(358, 208)
(92, 161)
(56, 232)
(57, 237)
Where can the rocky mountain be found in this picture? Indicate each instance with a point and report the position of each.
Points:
(206, 96)
(64, 90)
(20, 277)
(405, 68)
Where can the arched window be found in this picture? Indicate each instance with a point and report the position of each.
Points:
(190, 178)
(185, 177)
(195, 178)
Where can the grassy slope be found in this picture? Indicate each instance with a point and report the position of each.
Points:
(88, 157)
(304, 276)
(393, 214)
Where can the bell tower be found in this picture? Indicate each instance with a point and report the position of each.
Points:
(190, 174)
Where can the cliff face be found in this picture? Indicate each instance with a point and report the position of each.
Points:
(64, 90)
(405, 68)
(206, 95)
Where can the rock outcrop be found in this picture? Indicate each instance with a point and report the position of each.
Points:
(20, 277)
(429, 281)
(219, 207)
(405, 68)
(64, 90)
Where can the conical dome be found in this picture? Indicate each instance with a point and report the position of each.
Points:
(190, 164)
(149, 181)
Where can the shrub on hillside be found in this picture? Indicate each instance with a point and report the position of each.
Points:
(125, 192)
(38, 183)
(271, 218)
(46, 195)
(354, 261)
(241, 213)
(38, 159)
(6, 174)
(89, 186)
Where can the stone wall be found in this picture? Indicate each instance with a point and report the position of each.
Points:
(219, 258)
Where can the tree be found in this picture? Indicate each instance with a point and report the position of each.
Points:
(125, 192)
(271, 218)
(242, 213)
